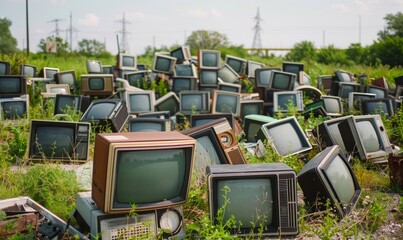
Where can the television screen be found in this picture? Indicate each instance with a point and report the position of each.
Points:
(294, 67)
(208, 78)
(343, 76)
(237, 64)
(12, 85)
(380, 92)
(209, 59)
(184, 83)
(59, 141)
(329, 178)
(325, 83)
(284, 101)
(94, 66)
(252, 125)
(343, 89)
(226, 102)
(333, 105)
(263, 76)
(5, 68)
(26, 70)
(230, 87)
(14, 108)
(97, 84)
(227, 74)
(194, 102)
(181, 54)
(65, 104)
(48, 72)
(380, 106)
(355, 99)
(282, 80)
(66, 77)
(163, 64)
(169, 102)
(250, 107)
(185, 70)
(261, 197)
(108, 69)
(149, 125)
(137, 79)
(141, 101)
(251, 67)
(126, 61)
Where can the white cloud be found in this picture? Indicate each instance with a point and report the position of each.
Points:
(339, 7)
(89, 20)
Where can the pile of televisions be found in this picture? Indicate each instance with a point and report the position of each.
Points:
(148, 160)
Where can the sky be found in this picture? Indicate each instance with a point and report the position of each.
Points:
(159, 23)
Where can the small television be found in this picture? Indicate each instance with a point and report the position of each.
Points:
(329, 178)
(158, 115)
(163, 64)
(283, 100)
(137, 79)
(381, 106)
(5, 68)
(12, 86)
(14, 108)
(66, 103)
(325, 83)
(343, 76)
(262, 77)
(343, 89)
(296, 141)
(250, 106)
(294, 67)
(94, 66)
(105, 114)
(380, 92)
(208, 78)
(355, 99)
(200, 119)
(282, 80)
(328, 133)
(126, 61)
(140, 101)
(209, 59)
(108, 69)
(333, 105)
(251, 67)
(261, 197)
(97, 84)
(184, 83)
(66, 77)
(365, 136)
(60, 141)
(57, 89)
(169, 102)
(216, 144)
(252, 125)
(185, 70)
(230, 87)
(27, 70)
(228, 75)
(226, 102)
(48, 72)
(237, 64)
(181, 54)
(194, 102)
(149, 125)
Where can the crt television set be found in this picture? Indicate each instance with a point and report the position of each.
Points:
(209, 59)
(49, 72)
(230, 87)
(250, 106)
(293, 67)
(148, 125)
(226, 102)
(343, 76)
(185, 70)
(343, 89)
(126, 61)
(184, 83)
(262, 77)
(252, 125)
(208, 78)
(140, 101)
(355, 99)
(328, 177)
(328, 134)
(381, 106)
(282, 80)
(137, 79)
(325, 83)
(236, 63)
(59, 141)
(181, 54)
(194, 102)
(261, 197)
(251, 67)
(283, 100)
(14, 108)
(66, 77)
(97, 84)
(333, 105)
(228, 75)
(5, 68)
(94, 66)
(12, 85)
(169, 102)
(27, 70)
(380, 92)
(64, 104)
(163, 64)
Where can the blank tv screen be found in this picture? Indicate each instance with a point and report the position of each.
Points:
(368, 136)
(10, 85)
(341, 180)
(235, 65)
(68, 103)
(14, 109)
(345, 77)
(3, 69)
(169, 104)
(163, 64)
(100, 111)
(182, 84)
(281, 81)
(128, 61)
(206, 149)
(332, 105)
(380, 93)
(209, 77)
(184, 70)
(191, 102)
(50, 73)
(226, 103)
(136, 80)
(210, 59)
(291, 68)
(140, 102)
(54, 141)
(67, 78)
(345, 90)
(285, 145)
(250, 109)
(264, 77)
(96, 83)
(28, 71)
(285, 100)
(58, 90)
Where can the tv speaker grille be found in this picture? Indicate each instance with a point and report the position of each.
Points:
(131, 231)
(288, 202)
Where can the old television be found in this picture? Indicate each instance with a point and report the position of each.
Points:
(333, 105)
(97, 84)
(12, 85)
(355, 99)
(137, 79)
(66, 77)
(216, 144)
(49, 72)
(169, 102)
(261, 197)
(328, 133)
(251, 67)
(184, 83)
(343, 89)
(227, 74)
(5, 68)
(365, 136)
(148, 125)
(262, 77)
(194, 102)
(381, 106)
(185, 70)
(325, 83)
(282, 80)
(208, 78)
(226, 102)
(126, 61)
(252, 125)
(296, 141)
(158, 115)
(236, 63)
(105, 114)
(60, 141)
(230, 87)
(380, 92)
(108, 69)
(65, 104)
(293, 67)
(163, 64)
(14, 108)
(140, 101)
(57, 89)
(329, 178)
(343, 76)
(303, 79)
(283, 100)
(202, 118)
(94, 66)
(250, 106)
(181, 54)
(209, 59)
(27, 70)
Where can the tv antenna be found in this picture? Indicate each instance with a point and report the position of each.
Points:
(257, 41)
(56, 21)
(124, 46)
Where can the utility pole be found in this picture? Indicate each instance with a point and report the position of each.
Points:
(124, 46)
(257, 41)
(359, 29)
(26, 9)
(56, 21)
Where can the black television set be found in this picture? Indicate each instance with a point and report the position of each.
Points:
(333, 105)
(66, 104)
(328, 134)
(208, 59)
(169, 102)
(181, 54)
(108, 69)
(184, 83)
(380, 92)
(185, 70)
(49, 72)
(13, 85)
(251, 67)
(208, 78)
(97, 84)
(139, 101)
(149, 125)
(380, 106)
(141, 66)
(59, 141)
(27, 70)
(126, 61)
(284, 100)
(139, 79)
(202, 118)
(94, 66)
(230, 87)
(343, 89)
(236, 63)
(283, 81)
(250, 106)
(355, 99)
(293, 67)
(343, 76)
(325, 83)
(328, 180)
(163, 64)
(228, 75)
(262, 77)
(105, 114)
(261, 197)
(194, 102)
(5, 68)
(226, 102)
(252, 125)
(14, 108)
(66, 77)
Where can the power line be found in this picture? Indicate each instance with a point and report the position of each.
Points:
(124, 46)
(56, 21)
(257, 41)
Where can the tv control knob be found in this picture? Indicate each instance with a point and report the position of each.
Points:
(170, 222)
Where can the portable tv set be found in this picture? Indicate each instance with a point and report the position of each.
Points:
(149, 125)
(226, 102)
(216, 144)
(251, 67)
(282, 80)
(343, 76)
(108, 69)
(209, 59)
(261, 197)
(137, 78)
(208, 78)
(94, 66)
(63, 141)
(236, 63)
(200, 119)
(228, 75)
(140, 101)
(5, 68)
(355, 99)
(250, 106)
(48, 72)
(284, 99)
(97, 84)
(230, 87)
(343, 89)
(169, 102)
(184, 83)
(65, 103)
(126, 61)
(325, 83)
(328, 133)
(106, 113)
(66, 77)
(12, 86)
(333, 105)
(294, 67)
(381, 106)
(262, 77)
(27, 70)
(185, 70)
(252, 125)
(296, 141)
(181, 54)
(365, 136)
(14, 108)
(328, 177)
(163, 64)
(194, 102)
(380, 92)
(57, 89)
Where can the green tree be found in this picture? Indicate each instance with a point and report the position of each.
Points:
(358, 53)
(332, 55)
(61, 45)
(8, 44)
(203, 39)
(92, 48)
(304, 50)
(389, 51)
(394, 26)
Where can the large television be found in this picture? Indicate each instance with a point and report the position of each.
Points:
(325, 83)
(67, 104)
(163, 64)
(14, 108)
(252, 125)
(59, 141)
(194, 102)
(226, 102)
(380, 92)
(261, 197)
(365, 136)
(126, 61)
(381, 106)
(228, 75)
(140, 101)
(250, 106)
(94, 66)
(343, 89)
(97, 84)
(284, 100)
(27, 70)
(293, 67)
(184, 83)
(209, 59)
(208, 78)
(181, 54)
(106, 114)
(343, 76)
(185, 70)
(66, 77)
(329, 179)
(251, 67)
(12, 85)
(148, 125)
(5, 68)
(296, 141)
(230, 87)
(169, 102)
(355, 99)
(49, 72)
(137, 79)
(203, 118)
(236, 63)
